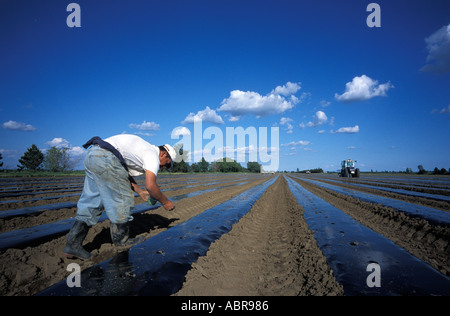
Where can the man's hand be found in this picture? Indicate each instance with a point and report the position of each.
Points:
(155, 192)
(169, 206)
(144, 195)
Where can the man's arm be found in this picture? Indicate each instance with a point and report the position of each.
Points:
(153, 188)
(136, 188)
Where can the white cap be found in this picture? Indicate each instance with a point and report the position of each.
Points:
(172, 154)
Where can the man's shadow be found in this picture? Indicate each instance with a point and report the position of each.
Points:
(142, 223)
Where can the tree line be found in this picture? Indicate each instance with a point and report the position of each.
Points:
(59, 160)
(221, 165)
(55, 160)
(435, 171)
(315, 170)
(421, 170)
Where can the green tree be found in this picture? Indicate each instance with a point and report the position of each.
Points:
(253, 166)
(203, 165)
(58, 159)
(181, 166)
(1, 157)
(195, 167)
(214, 167)
(228, 165)
(421, 169)
(316, 170)
(31, 159)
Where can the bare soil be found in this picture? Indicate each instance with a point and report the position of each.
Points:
(32, 269)
(426, 241)
(270, 251)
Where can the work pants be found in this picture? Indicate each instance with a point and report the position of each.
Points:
(107, 187)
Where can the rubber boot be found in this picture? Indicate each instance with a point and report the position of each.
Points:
(75, 238)
(120, 235)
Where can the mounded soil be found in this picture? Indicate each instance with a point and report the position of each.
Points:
(270, 251)
(428, 242)
(32, 269)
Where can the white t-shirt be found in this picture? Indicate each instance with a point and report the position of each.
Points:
(139, 155)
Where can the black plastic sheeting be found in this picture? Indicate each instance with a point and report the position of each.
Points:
(34, 235)
(436, 197)
(32, 210)
(432, 215)
(158, 265)
(350, 247)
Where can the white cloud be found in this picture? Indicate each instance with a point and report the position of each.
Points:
(76, 151)
(363, 88)
(348, 130)
(58, 142)
(288, 89)
(324, 103)
(18, 126)
(286, 121)
(445, 110)
(277, 101)
(319, 118)
(180, 131)
(145, 126)
(206, 115)
(298, 143)
(438, 46)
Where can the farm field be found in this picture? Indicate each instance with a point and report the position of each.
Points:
(238, 234)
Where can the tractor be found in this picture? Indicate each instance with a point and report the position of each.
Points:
(348, 169)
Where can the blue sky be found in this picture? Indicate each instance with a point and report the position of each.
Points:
(335, 87)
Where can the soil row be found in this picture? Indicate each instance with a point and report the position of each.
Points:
(30, 270)
(428, 242)
(270, 251)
